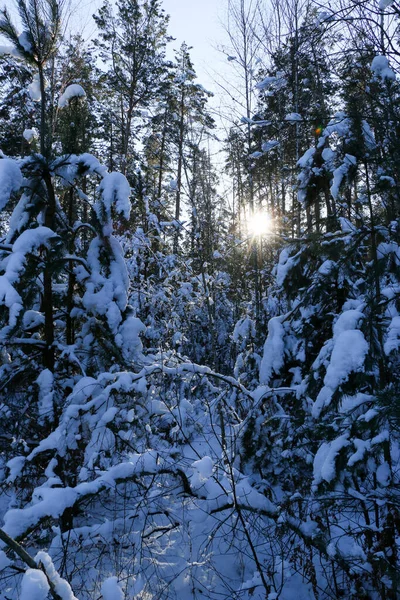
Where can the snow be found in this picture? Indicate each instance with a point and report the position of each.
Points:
(244, 330)
(45, 381)
(62, 587)
(72, 91)
(383, 474)
(369, 136)
(25, 41)
(326, 267)
(294, 588)
(158, 457)
(293, 117)
(306, 159)
(325, 17)
(30, 134)
(34, 89)
(19, 218)
(83, 162)
(10, 298)
(393, 336)
(84, 389)
(255, 122)
(362, 447)
(106, 294)
(328, 155)
(349, 349)
(29, 241)
(269, 145)
(202, 471)
(350, 403)
(15, 466)
(348, 320)
(340, 125)
(339, 174)
(276, 81)
(274, 349)
(346, 225)
(32, 239)
(380, 68)
(32, 319)
(54, 501)
(115, 190)
(285, 264)
(111, 590)
(325, 459)
(10, 50)
(383, 4)
(128, 337)
(34, 585)
(348, 355)
(10, 180)
(265, 83)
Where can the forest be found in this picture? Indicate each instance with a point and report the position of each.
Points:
(200, 360)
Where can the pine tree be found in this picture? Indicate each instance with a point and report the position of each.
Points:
(132, 44)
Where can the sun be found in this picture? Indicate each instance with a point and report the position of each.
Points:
(259, 223)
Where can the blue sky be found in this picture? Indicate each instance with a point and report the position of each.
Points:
(199, 24)
(196, 22)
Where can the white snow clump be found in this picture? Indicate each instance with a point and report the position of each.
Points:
(72, 91)
(10, 180)
(34, 585)
(30, 134)
(34, 89)
(111, 591)
(380, 68)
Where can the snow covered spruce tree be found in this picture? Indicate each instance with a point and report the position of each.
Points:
(330, 450)
(120, 471)
(63, 283)
(130, 473)
(116, 469)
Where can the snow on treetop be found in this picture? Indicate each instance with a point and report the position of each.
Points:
(347, 321)
(269, 145)
(10, 180)
(72, 91)
(114, 188)
(274, 349)
(276, 81)
(348, 352)
(30, 134)
(325, 459)
(28, 241)
(306, 159)
(34, 89)
(380, 68)
(340, 173)
(293, 117)
(31, 239)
